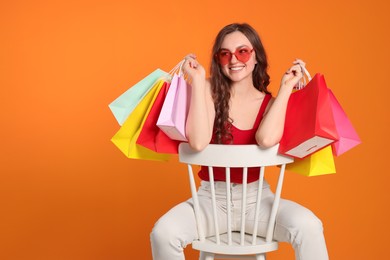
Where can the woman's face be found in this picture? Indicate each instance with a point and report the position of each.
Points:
(238, 70)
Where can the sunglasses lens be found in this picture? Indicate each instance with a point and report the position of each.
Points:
(243, 54)
(224, 57)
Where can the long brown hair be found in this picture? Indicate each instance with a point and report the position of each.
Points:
(221, 85)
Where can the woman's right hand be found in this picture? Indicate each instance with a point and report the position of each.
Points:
(193, 68)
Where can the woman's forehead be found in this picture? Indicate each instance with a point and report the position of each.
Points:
(235, 40)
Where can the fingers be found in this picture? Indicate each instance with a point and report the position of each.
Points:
(296, 70)
(190, 56)
(300, 62)
(294, 75)
(190, 61)
(192, 68)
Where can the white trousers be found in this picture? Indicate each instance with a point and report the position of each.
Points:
(294, 223)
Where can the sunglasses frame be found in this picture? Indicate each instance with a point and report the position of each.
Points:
(236, 53)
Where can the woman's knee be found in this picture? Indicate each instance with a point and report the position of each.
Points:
(165, 242)
(163, 233)
(157, 233)
(306, 221)
(175, 228)
(311, 224)
(299, 222)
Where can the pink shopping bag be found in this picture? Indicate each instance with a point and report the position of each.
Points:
(173, 115)
(348, 138)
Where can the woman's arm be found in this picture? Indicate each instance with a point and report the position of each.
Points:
(271, 128)
(199, 125)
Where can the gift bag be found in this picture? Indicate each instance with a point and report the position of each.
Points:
(122, 106)
(125, 139)
(309, 124)
(173, 115)
(348, 138)
(318, 163)
(151, 136)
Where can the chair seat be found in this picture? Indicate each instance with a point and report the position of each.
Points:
(209, 245)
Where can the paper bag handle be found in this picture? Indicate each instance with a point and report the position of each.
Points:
(302, 83)
(178, 69)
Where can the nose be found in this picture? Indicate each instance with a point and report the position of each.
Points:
(234, 58)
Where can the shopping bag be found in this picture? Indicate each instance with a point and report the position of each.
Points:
(122, 106)
(309, 124)
(173, 115)
(318, 163)
(125, 139)
(151, 136)
(348, 138)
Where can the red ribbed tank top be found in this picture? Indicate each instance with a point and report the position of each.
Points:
(239, 137)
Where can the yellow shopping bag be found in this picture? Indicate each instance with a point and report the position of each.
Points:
(125, 139)
(318, 163)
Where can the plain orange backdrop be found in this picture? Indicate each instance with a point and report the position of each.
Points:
(67, 193)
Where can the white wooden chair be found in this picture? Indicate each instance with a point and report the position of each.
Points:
(234, 244)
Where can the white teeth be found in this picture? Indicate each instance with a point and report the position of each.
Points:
(236, 68)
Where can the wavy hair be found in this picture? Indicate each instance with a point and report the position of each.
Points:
(221, 85)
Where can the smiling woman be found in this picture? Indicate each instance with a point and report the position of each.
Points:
(68, 193)
(239, 65)
(235, 107)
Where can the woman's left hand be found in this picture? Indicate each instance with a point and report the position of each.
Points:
(293, 75)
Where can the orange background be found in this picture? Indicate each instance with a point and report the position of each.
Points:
(67, 192)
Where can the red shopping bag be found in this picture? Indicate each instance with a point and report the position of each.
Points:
(309, 124)
(151, 136)
(173, 115)
(348, 138)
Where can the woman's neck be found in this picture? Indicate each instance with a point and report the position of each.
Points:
(243, 87)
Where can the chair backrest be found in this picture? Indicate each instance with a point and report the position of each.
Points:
(229, 156)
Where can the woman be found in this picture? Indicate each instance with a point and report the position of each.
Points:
(235, 107)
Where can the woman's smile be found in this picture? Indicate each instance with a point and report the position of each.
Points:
(237, 68)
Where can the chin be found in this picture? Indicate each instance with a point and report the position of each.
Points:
(238, 77)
